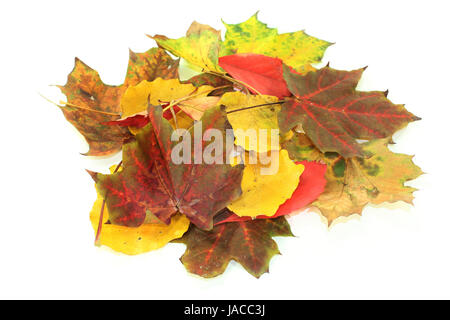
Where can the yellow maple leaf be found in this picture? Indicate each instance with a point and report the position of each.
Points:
(132, 241)
(191, 100)
(260, 121)
(264, 191)
(200, 47)
(135, 99)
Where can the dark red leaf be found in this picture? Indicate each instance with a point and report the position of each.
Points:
(151, 182)
(247, 242)
(333, 114)
(138, 121)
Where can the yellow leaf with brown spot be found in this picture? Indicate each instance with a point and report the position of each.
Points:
(253, 127)
(278, 179)
(138, 240)
(353, 183)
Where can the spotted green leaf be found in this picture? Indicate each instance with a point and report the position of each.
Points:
(354, 182)
(296, 49)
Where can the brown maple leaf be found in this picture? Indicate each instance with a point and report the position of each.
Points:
(354, 182)
(91, 103)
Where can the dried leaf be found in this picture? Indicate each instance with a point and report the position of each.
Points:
(296, 49)
(136, 98)
(155, 63)
(333, 114)
(311, 185)
(138, 240)
(253, 119)
(264, 192)
(200, 46)
(249, 243)
(152, 182)
(91, 103)
(355, 182)
(262, 74)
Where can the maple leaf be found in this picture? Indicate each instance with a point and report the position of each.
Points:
(355, 182)
(257, 119)
(311, 185)
(262, 74)
(151, 182)
(91, 103)
(147, 237)
(296, 49)
(159, 91)
(207, 79)
(200, 47)
(250, 243)
(278, 182)
(193, 101)
(333, 114)
(155, 63)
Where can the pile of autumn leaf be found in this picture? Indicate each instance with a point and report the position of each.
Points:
(332, 151)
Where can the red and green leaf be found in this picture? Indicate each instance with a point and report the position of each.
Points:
(334, 114)
(312, 184)
(250, 243)
(151, 182)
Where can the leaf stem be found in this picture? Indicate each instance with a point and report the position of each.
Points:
(102, 210)
(78, 107)
(256, 106)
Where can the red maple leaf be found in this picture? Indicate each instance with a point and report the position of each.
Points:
(261, 73)
(151, 182)
(334, 114)
(247, 242)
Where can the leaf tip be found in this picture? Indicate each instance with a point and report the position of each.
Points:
(94, 175)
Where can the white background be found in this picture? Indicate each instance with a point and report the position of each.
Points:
(46, 240)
